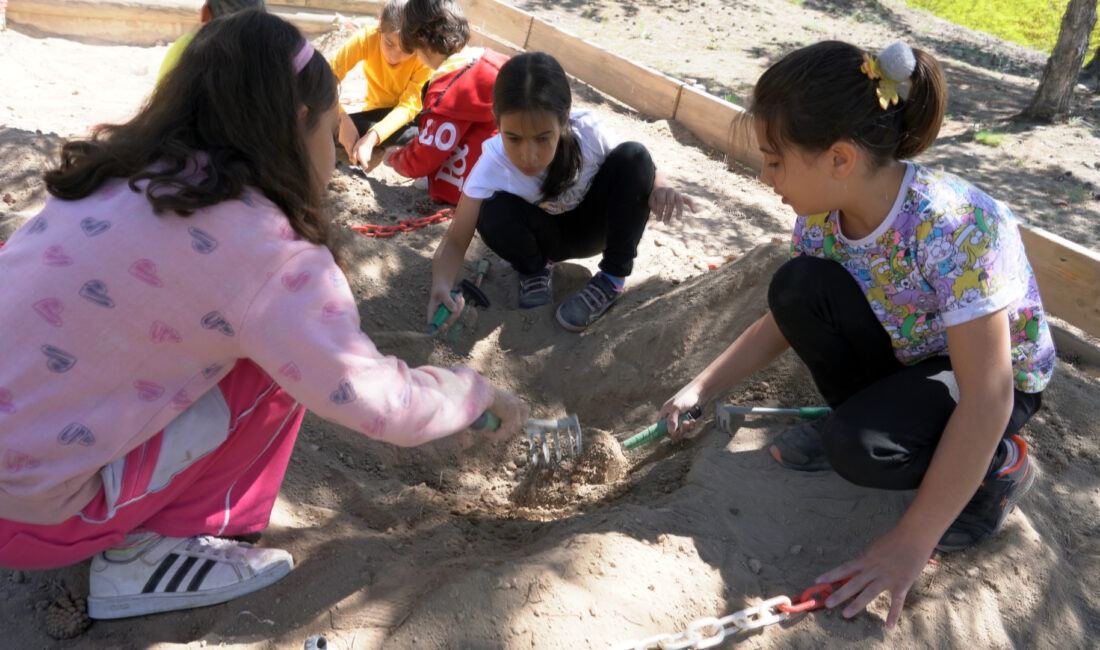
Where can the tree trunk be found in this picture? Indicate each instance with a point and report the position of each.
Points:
(1051, 100)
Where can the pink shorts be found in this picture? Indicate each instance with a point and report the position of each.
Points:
(215, 470)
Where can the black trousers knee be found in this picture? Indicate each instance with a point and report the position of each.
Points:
(887, 417)
(609, 220)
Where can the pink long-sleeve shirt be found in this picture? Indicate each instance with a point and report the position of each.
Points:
(113, 320)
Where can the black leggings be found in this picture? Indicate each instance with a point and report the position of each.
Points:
(887, 417)
(610, 219)
(365, 120)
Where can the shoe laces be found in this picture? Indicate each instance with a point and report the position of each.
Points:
(595, 296)
(218, 548)
(535, 282)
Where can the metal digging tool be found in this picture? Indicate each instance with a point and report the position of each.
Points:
(549, 440)
(723, 413)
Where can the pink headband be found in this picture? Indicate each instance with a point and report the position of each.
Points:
(305, 53)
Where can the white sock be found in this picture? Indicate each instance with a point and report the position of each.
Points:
(1012, 455)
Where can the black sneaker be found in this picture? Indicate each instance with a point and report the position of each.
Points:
(535, 289)
(584, 307)
(801, 447)
(984, 516)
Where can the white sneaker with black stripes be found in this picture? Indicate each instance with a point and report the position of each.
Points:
(180, 573)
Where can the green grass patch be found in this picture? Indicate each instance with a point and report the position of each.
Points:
(1034, 23)
(990, 138)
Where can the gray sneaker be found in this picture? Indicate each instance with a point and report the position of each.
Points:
(584, 307)
(535, 289)
(801, 447)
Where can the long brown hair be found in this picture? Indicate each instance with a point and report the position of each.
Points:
(234, 97)
(817, 95)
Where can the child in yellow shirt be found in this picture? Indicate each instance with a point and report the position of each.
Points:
(395, 79)
(210, 10)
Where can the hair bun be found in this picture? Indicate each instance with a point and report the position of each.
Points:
(897, 61)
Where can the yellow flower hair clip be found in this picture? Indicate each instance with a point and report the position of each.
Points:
(892, 68)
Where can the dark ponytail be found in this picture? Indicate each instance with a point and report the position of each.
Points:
(818, 95)
(535, 82)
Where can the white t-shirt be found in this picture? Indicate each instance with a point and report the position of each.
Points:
(495, 173)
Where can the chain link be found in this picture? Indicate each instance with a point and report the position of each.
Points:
(710, 632)
(407, 225)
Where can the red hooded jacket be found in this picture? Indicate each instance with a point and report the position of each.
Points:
(457, 117)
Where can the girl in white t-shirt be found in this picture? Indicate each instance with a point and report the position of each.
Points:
(552, 186)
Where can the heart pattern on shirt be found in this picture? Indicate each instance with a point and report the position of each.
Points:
(50, 310)
(17, 461)
(148, 391)
(214, 321)
(58, 360)
(161, 332)
(146, 271)
(76, 433)
(295, 281)
(96, 291)
(202, 241)
(56, 256)
(7, 402)
(343, 394)
(93, 227)
(290, 369)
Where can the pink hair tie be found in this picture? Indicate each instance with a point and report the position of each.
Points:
(305, 53)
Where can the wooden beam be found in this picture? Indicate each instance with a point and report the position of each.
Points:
(482, 39)
(1068, 276)
(501, 20)
(719, 124)
(635, 85)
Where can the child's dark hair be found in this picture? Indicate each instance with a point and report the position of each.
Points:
(817, 96)
(389, 21)
(219, 8)
(234, 98)
(436, 25)
(535, 82)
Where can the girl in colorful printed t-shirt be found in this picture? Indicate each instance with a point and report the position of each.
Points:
(908, 297)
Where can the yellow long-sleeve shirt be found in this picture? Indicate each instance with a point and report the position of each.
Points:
(396, 86)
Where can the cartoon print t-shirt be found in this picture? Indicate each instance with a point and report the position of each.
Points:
(946, 254)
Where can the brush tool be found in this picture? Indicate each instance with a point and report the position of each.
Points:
(548, 441)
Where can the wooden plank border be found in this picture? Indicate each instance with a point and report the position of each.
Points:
(1068, 274)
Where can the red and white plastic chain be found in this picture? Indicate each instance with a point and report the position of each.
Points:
(710, 632)
(407, 225)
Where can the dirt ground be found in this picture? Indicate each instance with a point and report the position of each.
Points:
(464, 544)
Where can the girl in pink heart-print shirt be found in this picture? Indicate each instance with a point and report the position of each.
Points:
(170, 314)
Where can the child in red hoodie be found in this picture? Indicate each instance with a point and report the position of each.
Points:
(458, 100)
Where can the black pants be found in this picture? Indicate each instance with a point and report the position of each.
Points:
(610, 219)
(887, 417)
(364, 120)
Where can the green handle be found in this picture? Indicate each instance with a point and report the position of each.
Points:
(486, 422)
(813, 412)
(441, 314)
(657, 431)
